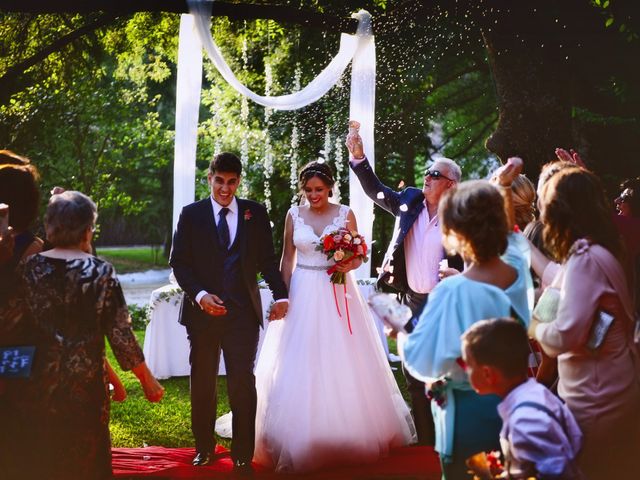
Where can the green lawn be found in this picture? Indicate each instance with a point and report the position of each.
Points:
(134, 259)
(136, 422)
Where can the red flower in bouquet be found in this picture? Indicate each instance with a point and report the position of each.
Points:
(342, 246)
(328, 243)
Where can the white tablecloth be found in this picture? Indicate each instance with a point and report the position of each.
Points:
(166, 348)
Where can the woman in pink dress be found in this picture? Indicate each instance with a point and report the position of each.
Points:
(598, 371)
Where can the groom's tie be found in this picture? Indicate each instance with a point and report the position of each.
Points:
(223, 228)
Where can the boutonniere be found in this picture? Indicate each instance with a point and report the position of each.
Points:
(247, 215)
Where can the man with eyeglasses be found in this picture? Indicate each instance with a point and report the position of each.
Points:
(411, 264)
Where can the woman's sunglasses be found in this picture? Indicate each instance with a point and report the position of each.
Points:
(436, 175)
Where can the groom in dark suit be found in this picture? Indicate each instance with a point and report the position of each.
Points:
(220, 245)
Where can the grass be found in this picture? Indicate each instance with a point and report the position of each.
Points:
(134, 259)
(136, 422)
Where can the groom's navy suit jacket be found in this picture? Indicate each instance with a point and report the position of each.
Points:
(405, 205)
(200, 263)
(197, 258)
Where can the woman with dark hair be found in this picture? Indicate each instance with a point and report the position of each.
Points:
(19, 189)
(60, 420)
(474, 224)
(326, 395)
(592, 334)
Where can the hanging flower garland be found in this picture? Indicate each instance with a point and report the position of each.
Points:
(215, 126)
(268, 149)
(295, 142)
(244, 118)
(327, 144)
(340, 165)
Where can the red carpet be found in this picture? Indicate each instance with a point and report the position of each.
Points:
(409, 463)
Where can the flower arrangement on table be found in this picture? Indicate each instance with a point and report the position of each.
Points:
(342, 246)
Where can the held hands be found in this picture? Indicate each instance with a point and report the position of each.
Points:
(152, 389)
(212, 305)
(354, 141)
(278, 311)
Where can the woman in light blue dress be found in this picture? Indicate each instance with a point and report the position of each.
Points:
(475, 225)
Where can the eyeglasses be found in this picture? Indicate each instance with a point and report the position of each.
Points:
(436, 175)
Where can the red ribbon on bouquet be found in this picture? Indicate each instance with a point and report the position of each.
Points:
(333, 269)
(346, 304)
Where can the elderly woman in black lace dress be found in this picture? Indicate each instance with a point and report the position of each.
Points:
(72, 300)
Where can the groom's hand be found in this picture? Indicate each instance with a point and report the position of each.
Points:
(212, 305)
(278, 311)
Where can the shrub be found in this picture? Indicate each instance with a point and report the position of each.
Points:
(139, 317)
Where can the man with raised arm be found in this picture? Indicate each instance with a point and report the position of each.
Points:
(411, 264)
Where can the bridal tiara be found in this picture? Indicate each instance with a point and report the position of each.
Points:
(306, 173)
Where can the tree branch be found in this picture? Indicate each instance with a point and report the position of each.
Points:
(459, 130)
(10, 78)
(235, 11)
(476, 67)
(458, 99)
(475, 139)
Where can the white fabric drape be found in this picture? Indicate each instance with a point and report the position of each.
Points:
(188, 89)
(362, 108)
(359, 47)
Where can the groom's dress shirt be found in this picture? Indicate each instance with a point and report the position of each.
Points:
(423, 252)
(232, 217)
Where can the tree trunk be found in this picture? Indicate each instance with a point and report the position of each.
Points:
(532, 85)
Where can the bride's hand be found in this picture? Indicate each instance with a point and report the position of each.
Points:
(349, 265)
(278, 311)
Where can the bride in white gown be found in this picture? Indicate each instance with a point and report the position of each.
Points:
(325, 396)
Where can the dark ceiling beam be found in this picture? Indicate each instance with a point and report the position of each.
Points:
(234, 11)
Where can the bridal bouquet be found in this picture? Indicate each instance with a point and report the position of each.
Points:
(342, 245)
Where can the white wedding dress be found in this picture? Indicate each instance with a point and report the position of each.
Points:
(325, 396)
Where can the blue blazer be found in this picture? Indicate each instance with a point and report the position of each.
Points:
(405, 205)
